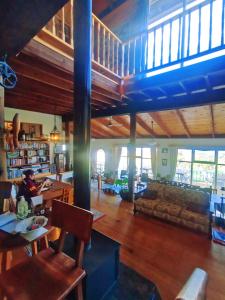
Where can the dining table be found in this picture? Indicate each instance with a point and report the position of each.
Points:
(10, 242)
(55, 191)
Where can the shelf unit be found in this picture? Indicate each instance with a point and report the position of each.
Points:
(33, 155)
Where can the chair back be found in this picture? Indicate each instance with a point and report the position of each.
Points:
(5, 193)
(72, 219)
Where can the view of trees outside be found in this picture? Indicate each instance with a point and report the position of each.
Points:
(201, 167)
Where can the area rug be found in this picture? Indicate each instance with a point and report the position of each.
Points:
(218, 237)
(132, 286)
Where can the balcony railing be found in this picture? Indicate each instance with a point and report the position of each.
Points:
(186, 34)
(106, 46)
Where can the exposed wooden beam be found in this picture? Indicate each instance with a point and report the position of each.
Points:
(23, 20)
(102, 98)
(156, 118)
(143, 124)
(110, 8)
(184, 101)
(212, 120)
(183, 122)
(104, 92)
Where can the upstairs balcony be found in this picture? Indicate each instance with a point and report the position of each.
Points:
(177, 45)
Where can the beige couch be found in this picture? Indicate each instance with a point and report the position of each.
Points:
(186, 207)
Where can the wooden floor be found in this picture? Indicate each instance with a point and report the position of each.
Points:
(164, 253)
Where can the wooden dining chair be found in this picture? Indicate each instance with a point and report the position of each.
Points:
(51, 274)
(5, 193)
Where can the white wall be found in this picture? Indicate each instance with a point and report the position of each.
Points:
(108, 146)
(47, 120)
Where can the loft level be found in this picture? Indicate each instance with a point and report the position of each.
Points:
(188, 35)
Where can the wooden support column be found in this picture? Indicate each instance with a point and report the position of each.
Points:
(3, 169)
(82, 15)
(132, 155)
(68, 144)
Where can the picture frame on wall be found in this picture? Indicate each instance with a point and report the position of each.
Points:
(164, 162)
(164, 150)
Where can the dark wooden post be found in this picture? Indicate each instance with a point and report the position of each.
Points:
(82, 93)
(132, 155)
(68, 145)
(3, 170)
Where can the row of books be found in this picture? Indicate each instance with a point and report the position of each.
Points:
(18, 172)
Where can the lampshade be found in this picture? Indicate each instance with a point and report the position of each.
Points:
(55, 133)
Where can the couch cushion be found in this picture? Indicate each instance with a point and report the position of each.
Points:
(195, 207)
(150, 194)
(159, 187)
(194, 217)
(169, 208)
(174, 194)
(197, 197)
(147, 203)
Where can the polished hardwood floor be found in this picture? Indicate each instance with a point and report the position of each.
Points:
(163, 253)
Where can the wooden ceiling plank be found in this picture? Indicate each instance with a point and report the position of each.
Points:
(212, 120)
(145, 126)
(183, 122)
(103, 128)
(122, 131)
(156, 118)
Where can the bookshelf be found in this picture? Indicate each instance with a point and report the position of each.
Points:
(33, 155)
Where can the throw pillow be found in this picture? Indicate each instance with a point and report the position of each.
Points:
(150, 194)
(195, 207)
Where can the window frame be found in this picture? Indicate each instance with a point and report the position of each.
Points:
(194, 161)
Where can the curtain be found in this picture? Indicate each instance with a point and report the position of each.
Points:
(154, 161)
(117, 154)
(173, 162)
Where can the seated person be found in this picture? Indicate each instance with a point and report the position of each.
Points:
(29, 187)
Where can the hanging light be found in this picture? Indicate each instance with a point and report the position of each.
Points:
(55, 133)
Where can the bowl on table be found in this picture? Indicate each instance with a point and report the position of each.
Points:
(31, 224)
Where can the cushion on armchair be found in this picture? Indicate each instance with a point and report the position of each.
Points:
(150, 194)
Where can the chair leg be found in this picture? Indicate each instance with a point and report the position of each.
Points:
(6, 261)
(79, 292)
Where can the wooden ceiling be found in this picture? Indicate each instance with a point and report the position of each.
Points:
(194, 122)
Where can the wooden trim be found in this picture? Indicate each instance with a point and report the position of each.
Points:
(212, 120)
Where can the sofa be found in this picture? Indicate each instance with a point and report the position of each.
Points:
(186, 207)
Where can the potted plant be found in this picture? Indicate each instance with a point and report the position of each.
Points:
(125, 194)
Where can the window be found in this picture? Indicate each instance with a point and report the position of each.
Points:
(201, 167)
(100, 161)
(143, 161)
(123, 164)
(183, 170)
